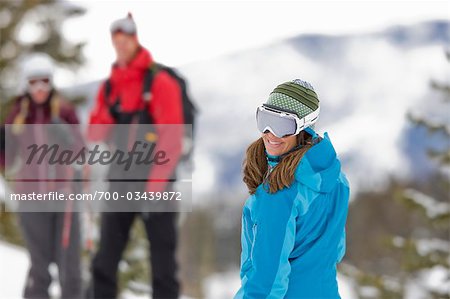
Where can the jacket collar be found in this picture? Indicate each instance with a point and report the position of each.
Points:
(141, 61)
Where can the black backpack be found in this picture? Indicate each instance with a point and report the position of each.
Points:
(190, 111)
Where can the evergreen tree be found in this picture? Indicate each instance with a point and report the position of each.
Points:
(423, 253)
(426, 256)
(44, 20)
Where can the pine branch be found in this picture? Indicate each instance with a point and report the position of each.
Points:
(432, 127)
(436, 213)
(442, 87)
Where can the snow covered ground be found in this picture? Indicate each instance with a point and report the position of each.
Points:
(13, 269)
(15, 262)
(225, 285)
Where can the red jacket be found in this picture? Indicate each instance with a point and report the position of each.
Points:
(165, 107)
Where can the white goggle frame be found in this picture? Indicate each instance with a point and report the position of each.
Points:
(301, 123)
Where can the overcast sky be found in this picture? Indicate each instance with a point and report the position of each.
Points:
(180, 32)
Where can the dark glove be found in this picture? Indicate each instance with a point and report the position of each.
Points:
(114, 109)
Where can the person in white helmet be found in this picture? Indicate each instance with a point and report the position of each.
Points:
(38, 76)
(43, 233)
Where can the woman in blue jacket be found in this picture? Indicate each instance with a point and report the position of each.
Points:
(293, 223)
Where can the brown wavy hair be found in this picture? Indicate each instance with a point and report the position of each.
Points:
(255, 166)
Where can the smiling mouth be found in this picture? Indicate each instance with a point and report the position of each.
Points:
(273, 142)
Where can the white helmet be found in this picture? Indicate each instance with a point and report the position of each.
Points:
(38, 65)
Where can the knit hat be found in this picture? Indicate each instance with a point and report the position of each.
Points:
(125, 25)
(297, 96)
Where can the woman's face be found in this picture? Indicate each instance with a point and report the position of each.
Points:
(277, 146)
(39, 89)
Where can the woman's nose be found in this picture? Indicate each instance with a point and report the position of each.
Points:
(272, 136)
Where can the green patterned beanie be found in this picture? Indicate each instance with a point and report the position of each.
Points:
(297, 96)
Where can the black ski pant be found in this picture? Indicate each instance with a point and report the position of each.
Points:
(162, 235)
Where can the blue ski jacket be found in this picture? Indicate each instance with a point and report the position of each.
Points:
(293, 239)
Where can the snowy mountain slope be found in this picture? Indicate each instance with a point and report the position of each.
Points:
(366, 82)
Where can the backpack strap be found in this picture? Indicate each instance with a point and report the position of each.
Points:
(146, 87)
(107, 90)
(148, 81)
(114, 108)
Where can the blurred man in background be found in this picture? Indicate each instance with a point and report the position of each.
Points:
(123, 100)
(50, 237)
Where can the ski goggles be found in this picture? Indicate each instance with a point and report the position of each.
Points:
(39, 84)
(282, 123)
